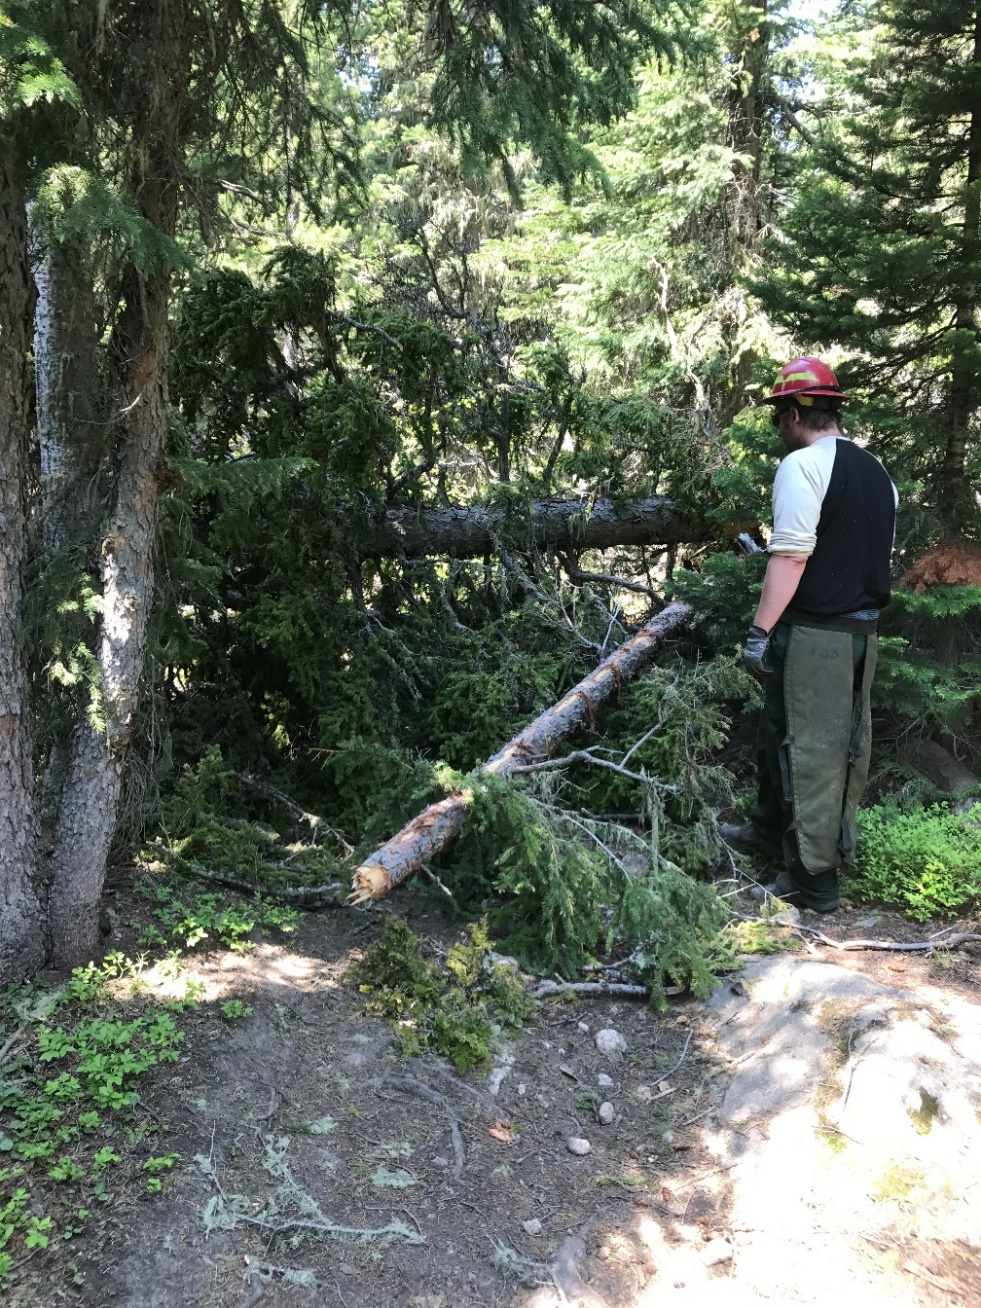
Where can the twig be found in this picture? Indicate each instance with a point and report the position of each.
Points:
(427, 871)
(331, 1228)
(899, 947)
(313, 820)
(11, 1043)
(663, 1076)
(587, 756)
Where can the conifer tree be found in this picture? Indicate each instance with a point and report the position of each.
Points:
(880, 251)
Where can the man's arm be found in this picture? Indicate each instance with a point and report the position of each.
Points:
(783, 574)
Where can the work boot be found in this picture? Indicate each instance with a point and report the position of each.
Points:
(821, 895)
(748, 838)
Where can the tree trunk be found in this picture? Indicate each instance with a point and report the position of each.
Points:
(551, 524)
(71, 418)
(23, 943)
(90, 803)
(429, 832)
(93, 785)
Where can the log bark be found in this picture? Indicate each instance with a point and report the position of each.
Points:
(468, 533)
(429, 832)
(23, 943)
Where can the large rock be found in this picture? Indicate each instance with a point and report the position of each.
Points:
(849, 1125)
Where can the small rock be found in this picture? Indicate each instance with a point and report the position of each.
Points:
(668, 1137)
(610, 1042)
(583, 1027)
(531, 1227)
(717, 1252)
(346, 1269)
(566, 1070)
(604, 1081)
(681, 1020)
(521, 1087)
(540, 1099)
(441, 1162)
(546, 1044)
(664, 1087)
(605, 1113)
(578, 1146)
(504, 960)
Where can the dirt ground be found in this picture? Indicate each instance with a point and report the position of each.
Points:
(438, 1190)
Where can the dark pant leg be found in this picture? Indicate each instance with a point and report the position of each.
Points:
(771, 812)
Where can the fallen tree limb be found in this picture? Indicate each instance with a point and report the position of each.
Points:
(591, 990)
(468, 533)
(429, 832)
(309, 895)
(893, 946)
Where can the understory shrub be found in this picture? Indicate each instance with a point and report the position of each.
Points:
(454, 1006)
(925, 858)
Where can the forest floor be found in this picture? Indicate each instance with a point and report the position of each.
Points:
(811, 1134)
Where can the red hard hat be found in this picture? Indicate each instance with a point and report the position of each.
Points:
(804, 378)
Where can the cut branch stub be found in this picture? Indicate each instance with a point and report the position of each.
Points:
(430, 831)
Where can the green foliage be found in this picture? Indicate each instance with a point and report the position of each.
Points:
(929, 668)
(455, 1007)
(188, 920)
(925, 858)
(74, 1067)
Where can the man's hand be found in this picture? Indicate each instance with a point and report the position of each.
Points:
(755, 651)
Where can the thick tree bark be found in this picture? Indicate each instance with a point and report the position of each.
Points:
(23, 943)
(429, 832)
(89, 808)
(71, 418)
(93, 784)
(551, 524)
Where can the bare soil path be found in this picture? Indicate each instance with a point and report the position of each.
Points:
(811, 1134)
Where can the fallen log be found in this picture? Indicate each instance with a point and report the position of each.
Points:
(468, 533)
(430, 831)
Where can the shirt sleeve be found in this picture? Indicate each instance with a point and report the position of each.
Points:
(799, 489)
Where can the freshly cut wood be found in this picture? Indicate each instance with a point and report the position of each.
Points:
(467, 533)
(430, 831)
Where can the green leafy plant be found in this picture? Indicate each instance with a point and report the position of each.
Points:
(235, 1008)
(82, 1050)
(924, 858)
(451, 1007)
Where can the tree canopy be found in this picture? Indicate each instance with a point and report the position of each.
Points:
(283, 281)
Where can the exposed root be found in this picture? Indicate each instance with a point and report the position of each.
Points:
(411, 1086)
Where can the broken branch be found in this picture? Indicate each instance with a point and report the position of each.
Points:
(429, 832)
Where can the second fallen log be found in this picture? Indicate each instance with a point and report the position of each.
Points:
(430, 831)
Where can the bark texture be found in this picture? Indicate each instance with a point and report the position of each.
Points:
(70, 407)
(23, 943)
(89, 808)
(552, 524)
(429, 832)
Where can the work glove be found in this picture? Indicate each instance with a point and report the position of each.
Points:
(755, 652)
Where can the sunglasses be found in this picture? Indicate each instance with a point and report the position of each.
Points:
(776, 415)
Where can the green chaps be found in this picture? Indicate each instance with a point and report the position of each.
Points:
(814, 744)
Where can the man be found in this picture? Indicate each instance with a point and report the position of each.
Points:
(812, 642)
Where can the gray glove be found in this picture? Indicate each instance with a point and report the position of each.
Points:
(755, 651)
